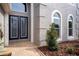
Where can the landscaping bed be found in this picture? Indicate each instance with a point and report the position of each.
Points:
(63, 49)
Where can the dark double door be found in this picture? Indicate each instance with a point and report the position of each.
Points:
(18, 27)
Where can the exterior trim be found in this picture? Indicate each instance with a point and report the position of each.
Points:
(32, 19)
(43, 4)
(6, 7)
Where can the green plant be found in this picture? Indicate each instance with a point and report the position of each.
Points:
(51, 38)
(70, 50)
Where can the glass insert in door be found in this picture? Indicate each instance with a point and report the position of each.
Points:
(13, 27)
(18, 27)
(24, 27)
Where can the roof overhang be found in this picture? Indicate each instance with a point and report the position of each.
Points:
(6, 7)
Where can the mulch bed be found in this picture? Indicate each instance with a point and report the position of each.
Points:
(61, 51)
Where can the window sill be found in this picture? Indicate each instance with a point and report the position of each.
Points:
(70, 37)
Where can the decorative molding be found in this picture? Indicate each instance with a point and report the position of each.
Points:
(43, 4)
(41, 16)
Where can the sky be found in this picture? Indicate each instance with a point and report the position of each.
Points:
(17, 7)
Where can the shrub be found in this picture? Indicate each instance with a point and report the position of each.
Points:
(51, 38)
(70, 50)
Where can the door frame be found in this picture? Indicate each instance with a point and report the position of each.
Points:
(18, 27)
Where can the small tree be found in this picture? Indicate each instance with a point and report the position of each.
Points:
(51, 38)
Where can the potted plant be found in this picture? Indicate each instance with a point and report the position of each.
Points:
(51, 38)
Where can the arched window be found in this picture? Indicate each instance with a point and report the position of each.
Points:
(18, 7)
(70, 26)
(57, 22)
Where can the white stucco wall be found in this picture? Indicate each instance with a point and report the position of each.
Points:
(32, 15)
(46, 10)
(6, 29)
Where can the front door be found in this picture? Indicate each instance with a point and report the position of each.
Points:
(18, 27)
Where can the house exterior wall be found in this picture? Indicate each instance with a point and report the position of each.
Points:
(36, 23)
(77, 21)
(40, 17)
(46, 10)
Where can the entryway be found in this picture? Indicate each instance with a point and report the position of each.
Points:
(18, 27)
